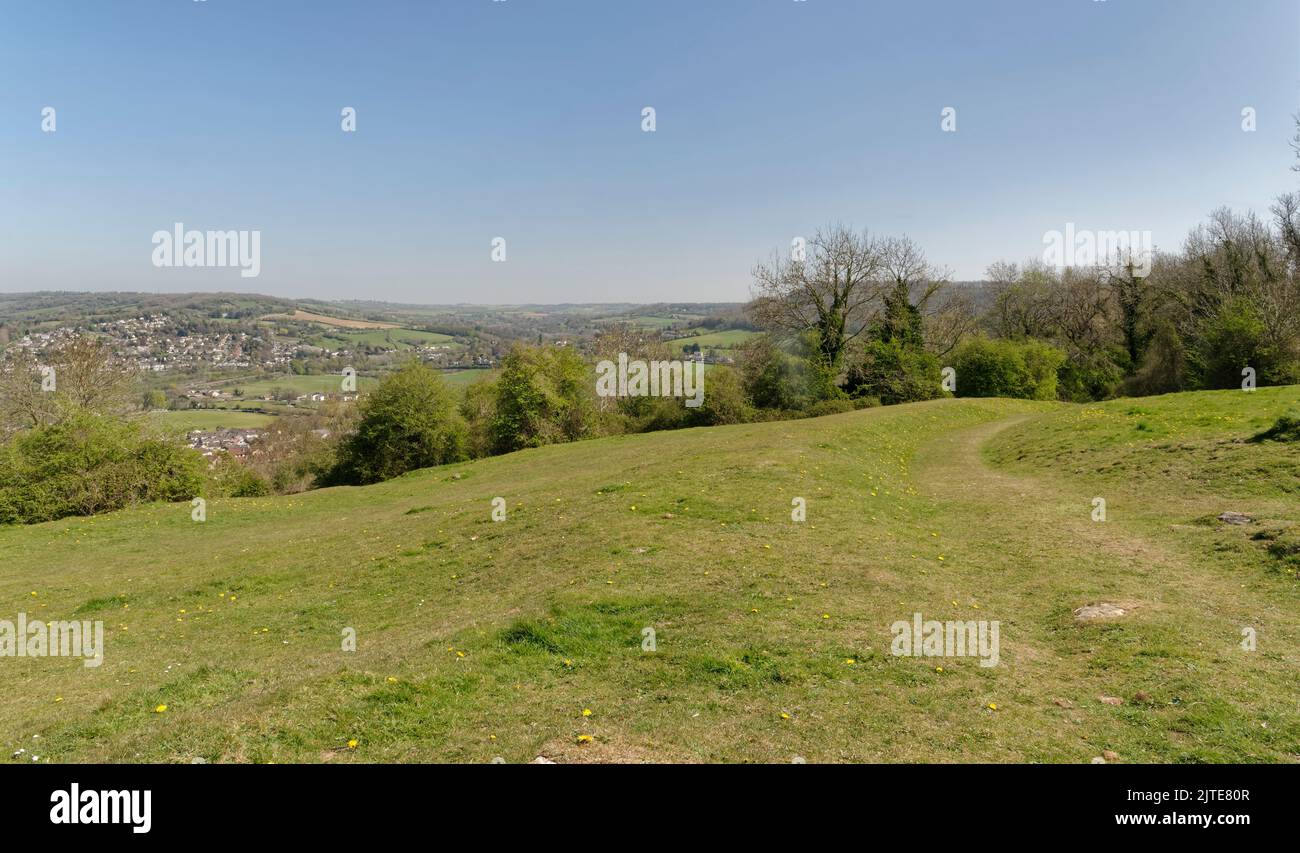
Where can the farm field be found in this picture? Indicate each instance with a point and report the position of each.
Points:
(714, 340)
(185, 420)
(477, 640)
(401, 339)
(464, 377)
(342, 323)
(303, 384)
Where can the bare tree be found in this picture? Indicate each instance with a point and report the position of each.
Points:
(835, 290)
(80, 376)
(23, 403)
(946, 315)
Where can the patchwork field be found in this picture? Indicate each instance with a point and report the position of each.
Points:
(478, 639)
(341, 322)
(401, 339)
(713, 340)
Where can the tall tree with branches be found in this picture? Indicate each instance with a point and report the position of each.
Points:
(834, 289)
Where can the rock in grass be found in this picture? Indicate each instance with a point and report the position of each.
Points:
(1235, 518)
(1104, 610)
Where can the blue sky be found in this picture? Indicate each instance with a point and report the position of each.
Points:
(522, 119)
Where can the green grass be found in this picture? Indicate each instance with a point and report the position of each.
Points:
(478, 639)
(401, 339)
(317, 383)
(465, 377)
(714, 340)
(190, 419)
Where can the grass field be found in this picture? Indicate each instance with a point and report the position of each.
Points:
(321, 382)
(477, 639)
(401, 339)
(714, 340)
(325, 320)
(190, 419)
(464, 377)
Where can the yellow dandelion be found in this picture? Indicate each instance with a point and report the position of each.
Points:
(352, 744)
(160, 709)
(584, 738)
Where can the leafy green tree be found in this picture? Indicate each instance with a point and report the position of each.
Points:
(410, 421)
(1000, 368)
(894, 365)
(724, 400)
(769, 375)
(479, 408)
(545, 395)
(895, 373)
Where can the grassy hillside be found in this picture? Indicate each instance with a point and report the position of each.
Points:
(478, 639)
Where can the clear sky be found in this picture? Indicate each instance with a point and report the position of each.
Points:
(522, 119)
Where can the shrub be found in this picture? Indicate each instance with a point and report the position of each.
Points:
(1286, 428)
(895, 372)
(545, 395)
(1002, 368)
(830, 407)
(231, 477)
(1091, 376)
(410, 421)
(770, 376)
(89, 464)
(724, 400)
(1230, 339)
(479, 408)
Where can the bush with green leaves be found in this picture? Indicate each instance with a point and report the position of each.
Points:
(830, 407)
(1285, 428)
(410, 421)
(232, 478)
(545, 395)
(88, 464)
(724, 399)
(1233, 338)
(894, 372)
(772, 378)
(1002, 368)
(479, 408)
